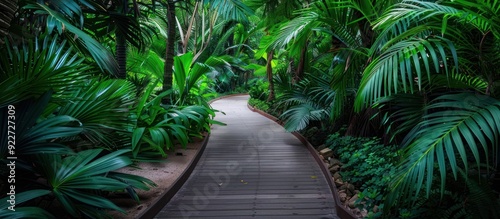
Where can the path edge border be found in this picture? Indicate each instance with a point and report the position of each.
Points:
(168, 194)
(342, 211)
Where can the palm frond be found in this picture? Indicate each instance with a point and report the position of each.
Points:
(72, 179)
(296, 31)
(34, 134)
(456, 126)
(403, 66)
(37, 67)
(481, 14)
(299, 116)
(103, 108)
(146, 63)
(231, 9)
(24, 212)
(401, 112)
(101, 55)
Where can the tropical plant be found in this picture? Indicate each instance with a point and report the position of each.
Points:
(59, 20)
(159, 127)
(50, 65)
(48, 81)
(24, 212)
(103, 107)
(43, 142)
(187, 77)
(309, 100)
(8, 10)
(367, 164)
(227, 9)
(454, 123)
(76, 180)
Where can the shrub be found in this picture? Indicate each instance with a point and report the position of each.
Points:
(259, 104)
(260, 90)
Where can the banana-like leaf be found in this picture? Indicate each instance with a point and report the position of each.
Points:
(458, 128)
(187, 76)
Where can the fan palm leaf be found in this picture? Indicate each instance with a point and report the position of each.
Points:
(73, 178)
(35, 134)
(103, 108)
(24, 212)
(31, 69)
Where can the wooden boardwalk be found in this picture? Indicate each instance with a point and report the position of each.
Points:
(252, 168)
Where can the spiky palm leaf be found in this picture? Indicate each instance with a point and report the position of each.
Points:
(31, 69)
(414, 48)
(24, 212)
(103, 108)
(35, 134)
(401, 112)
(74, 179)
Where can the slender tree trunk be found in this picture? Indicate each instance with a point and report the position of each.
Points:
(169, 53)
(366, 31)
(121, 55)
(299, 74)
(269, 72)
(121, 47)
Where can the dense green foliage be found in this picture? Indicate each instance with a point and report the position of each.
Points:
(368, 165)
(419, 74)
(259, 104)
(72, 124)
(130, 80)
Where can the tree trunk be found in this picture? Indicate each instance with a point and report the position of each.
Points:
(169, 53)
(121, 47)
(299, 74)
(269, 72)
(366, 31)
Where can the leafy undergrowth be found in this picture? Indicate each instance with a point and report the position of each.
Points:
(259, 104)
(368, 165)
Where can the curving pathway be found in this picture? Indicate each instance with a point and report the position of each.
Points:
(252, 168)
